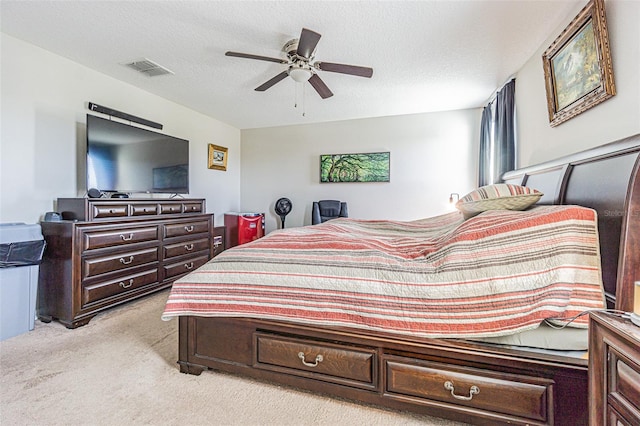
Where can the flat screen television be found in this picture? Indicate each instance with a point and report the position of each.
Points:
(127, 159)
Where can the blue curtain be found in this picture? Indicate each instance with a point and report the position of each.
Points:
(498, 136)
(486, 140)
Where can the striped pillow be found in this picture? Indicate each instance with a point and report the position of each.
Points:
(501, 196)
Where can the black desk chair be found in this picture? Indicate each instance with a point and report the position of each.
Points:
(324, 210)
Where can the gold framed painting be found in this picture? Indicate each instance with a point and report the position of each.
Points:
(217, 157)
(577, 66)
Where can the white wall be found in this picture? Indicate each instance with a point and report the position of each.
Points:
(614, 119)
(43, 114)
(432, 155)
(43, 108)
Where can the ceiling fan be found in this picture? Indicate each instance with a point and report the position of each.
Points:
(300, 66)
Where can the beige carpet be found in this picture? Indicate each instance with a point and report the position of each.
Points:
(121, 369)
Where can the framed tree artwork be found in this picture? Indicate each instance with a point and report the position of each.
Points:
(577, 66)
(370, 167)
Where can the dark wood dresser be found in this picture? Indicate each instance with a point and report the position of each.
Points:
(614, 371)
(109, 251)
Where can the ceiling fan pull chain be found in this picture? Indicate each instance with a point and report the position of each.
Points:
(304, 110)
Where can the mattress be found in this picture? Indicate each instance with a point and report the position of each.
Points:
(545, 337)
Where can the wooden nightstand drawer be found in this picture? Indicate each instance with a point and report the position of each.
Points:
(321, 360)
(624, 385)
(522, 397)
(110, 238)
(614, 370)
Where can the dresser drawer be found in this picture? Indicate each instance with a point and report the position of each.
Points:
(174, 269)
(321, 360)
(187, 228)
(109, 210)
(100, 265)
(170, 208)
(139, 209)
(104, 289)
(187, 247)
(192, 207)
(522, 397)
(100, 239)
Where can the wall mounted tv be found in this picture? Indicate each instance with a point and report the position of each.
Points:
(128, 159)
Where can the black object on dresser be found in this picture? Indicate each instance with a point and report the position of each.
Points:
(109, 251)
(614, 371)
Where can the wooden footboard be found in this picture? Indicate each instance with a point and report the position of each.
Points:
(445, 378)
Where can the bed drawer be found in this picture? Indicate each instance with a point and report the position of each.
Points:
(344, 364)
(521, 398)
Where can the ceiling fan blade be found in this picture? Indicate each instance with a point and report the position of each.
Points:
(320, 87)
(271, 82)
(258, 57)
(345, 69)
(307, 43)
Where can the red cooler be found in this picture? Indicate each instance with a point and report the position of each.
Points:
(244, 227)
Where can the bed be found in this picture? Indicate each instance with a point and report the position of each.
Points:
(363, 347)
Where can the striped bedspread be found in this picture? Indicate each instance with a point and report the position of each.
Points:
(498, 273)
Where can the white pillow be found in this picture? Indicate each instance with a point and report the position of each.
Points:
(500, 196)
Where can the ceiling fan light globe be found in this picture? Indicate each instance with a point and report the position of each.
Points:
(300, 75)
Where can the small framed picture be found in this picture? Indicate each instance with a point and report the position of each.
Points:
(217, 157)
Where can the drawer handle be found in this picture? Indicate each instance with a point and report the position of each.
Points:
(188, 265)
(189, 247)
(129, 238)
(318, 360)
(124, 262)
(123, 285)
(189, 228)
(474, 390)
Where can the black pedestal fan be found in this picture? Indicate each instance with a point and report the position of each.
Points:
(282, 208)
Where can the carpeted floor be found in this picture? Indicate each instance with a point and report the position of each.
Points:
(121, 369)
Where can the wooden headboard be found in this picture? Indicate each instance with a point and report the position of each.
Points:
(606, 179)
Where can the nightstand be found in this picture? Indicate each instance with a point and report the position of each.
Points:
(614, 371)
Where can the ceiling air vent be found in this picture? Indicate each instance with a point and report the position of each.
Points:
(148, 67)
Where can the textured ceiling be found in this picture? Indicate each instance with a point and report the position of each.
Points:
(427, 55)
